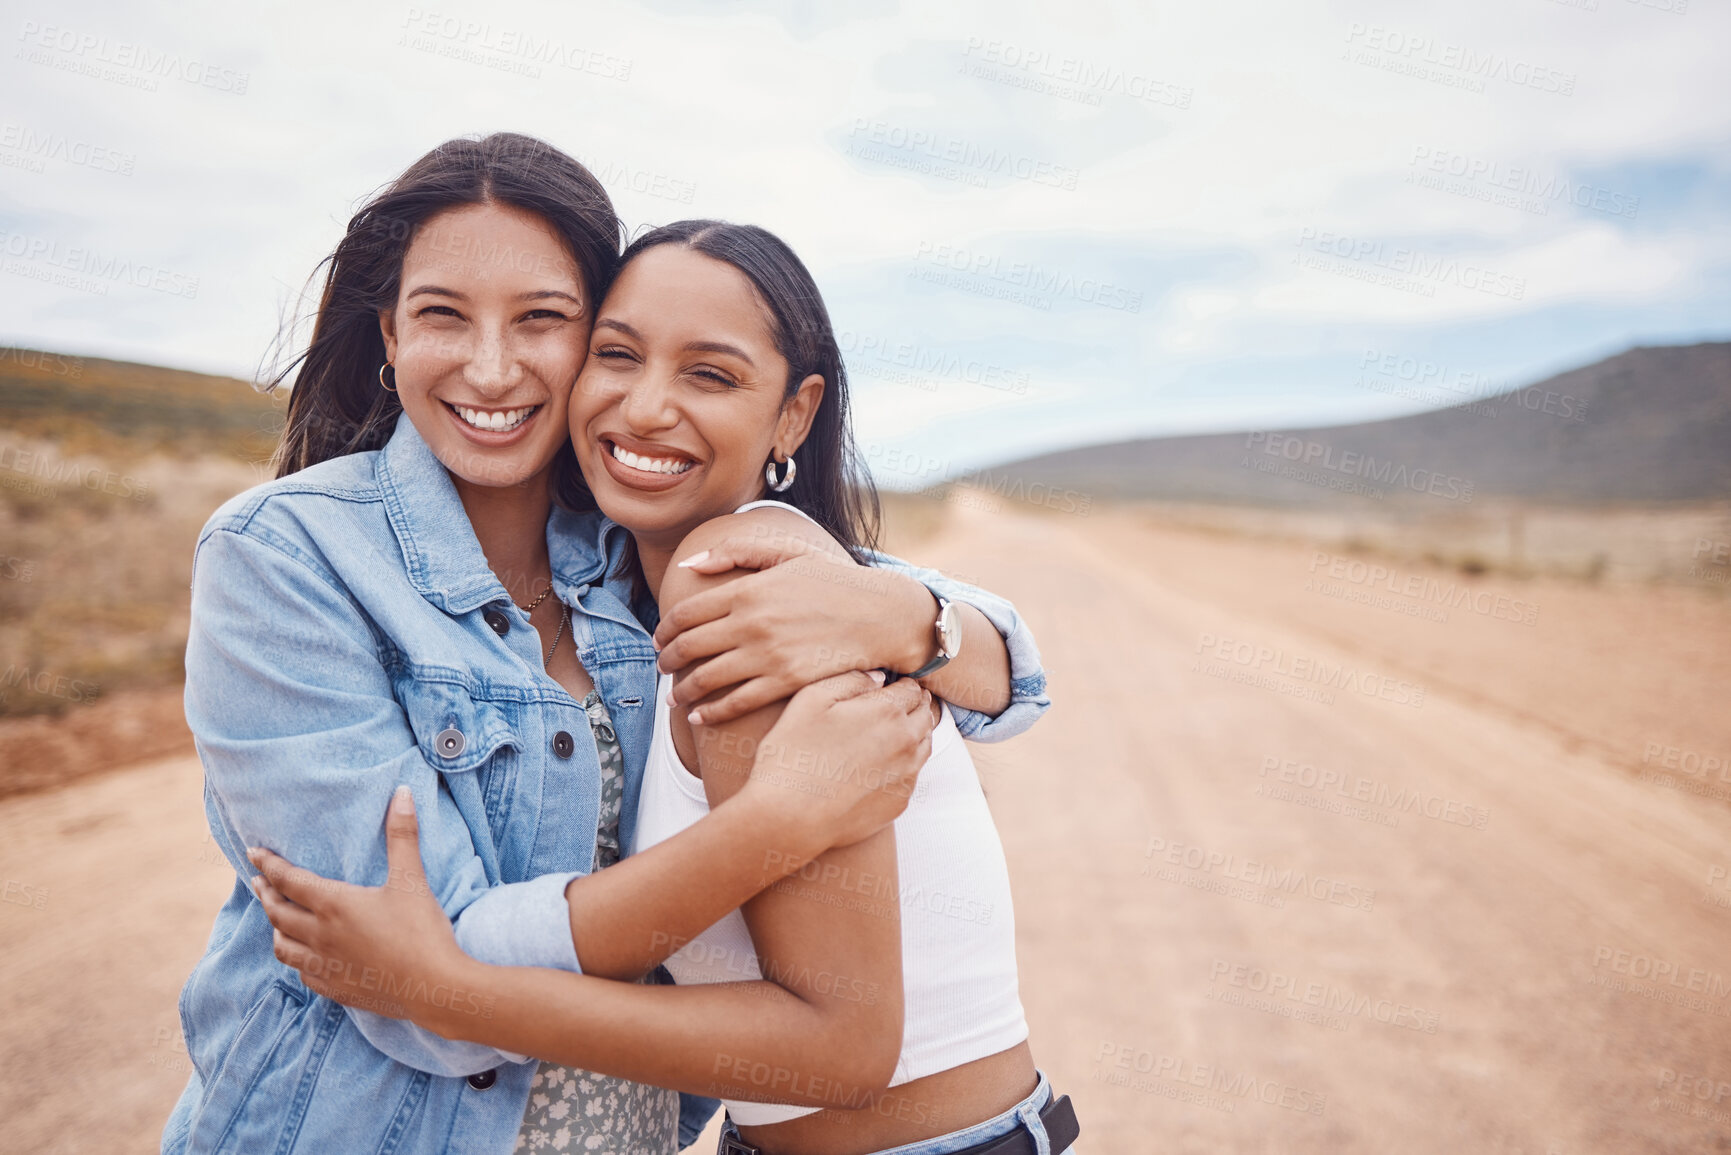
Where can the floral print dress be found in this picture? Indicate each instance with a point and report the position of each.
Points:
(580, 1112)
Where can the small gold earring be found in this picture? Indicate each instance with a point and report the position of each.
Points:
(382, 385)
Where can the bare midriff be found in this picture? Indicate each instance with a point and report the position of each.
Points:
(923, 1109)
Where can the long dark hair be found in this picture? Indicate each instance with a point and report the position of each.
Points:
(831, 482)
(337, 405)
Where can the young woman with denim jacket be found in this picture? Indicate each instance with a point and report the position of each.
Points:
(897, 1019)
(380, 616)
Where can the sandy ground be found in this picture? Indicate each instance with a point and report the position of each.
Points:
(1481, 907)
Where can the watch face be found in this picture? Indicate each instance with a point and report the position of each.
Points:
(950, 629)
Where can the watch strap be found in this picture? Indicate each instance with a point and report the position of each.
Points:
(943, 656)
(930, 667)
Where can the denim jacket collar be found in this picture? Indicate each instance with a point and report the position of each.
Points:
(442, 555)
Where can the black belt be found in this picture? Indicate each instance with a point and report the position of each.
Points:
(1059, 1119)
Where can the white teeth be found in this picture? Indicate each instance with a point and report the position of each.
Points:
(650, 464)
(496, 420)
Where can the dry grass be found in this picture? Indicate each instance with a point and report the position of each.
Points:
(94, 605)
(107, 471)
(94, 584)
(120, 411)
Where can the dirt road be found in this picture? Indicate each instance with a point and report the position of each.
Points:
(1298, 866)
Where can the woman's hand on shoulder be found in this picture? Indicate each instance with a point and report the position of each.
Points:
(845, 755)
(803, 611)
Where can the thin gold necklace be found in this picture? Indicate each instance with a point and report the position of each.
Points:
(564, 620)
(532, 606)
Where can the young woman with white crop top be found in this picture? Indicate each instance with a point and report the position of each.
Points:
(712, 354)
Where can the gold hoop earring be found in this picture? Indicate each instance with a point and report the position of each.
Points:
(382, 385)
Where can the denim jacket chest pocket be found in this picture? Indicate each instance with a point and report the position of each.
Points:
(472, 741)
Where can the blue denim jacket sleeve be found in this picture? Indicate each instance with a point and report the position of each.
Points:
(303, 743)
(1027, 677)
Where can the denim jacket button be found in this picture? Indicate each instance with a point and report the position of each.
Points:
(563, 744)
(484, 1080)
(450, 742)
(500, 623)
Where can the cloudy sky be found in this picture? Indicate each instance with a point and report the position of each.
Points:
(1037, 225)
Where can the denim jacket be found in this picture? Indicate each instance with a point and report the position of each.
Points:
(347, 636)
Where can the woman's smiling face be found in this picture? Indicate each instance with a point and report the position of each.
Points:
(681, 401)
(489, 330)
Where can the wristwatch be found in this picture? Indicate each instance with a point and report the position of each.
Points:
(948, 629)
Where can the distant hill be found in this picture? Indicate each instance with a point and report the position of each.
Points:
(1648, 425)
(118, 406)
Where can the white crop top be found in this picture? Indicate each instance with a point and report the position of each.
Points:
(960, 996)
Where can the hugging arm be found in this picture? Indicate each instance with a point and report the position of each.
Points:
(798, 615)
(304, 742)
(1009, 636)
(712, 1039)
